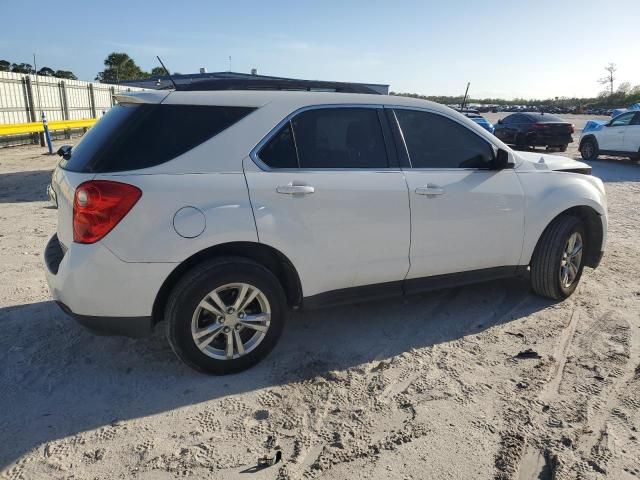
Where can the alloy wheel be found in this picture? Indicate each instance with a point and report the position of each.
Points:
(571, 260)
(231, 321)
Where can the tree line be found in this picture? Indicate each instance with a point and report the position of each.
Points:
(6, 66)
(624, 95)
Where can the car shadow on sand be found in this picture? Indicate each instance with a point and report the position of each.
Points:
(58, 380)
(611, 169)
(27, 186)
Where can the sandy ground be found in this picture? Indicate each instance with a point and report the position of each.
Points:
(431, 386)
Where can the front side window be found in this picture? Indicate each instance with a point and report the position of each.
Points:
(622, 120)
(434, 141)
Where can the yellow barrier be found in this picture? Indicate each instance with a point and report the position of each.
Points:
(36, 127)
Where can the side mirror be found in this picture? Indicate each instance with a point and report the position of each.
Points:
(500, 122)
(501, 161)
(65, 151)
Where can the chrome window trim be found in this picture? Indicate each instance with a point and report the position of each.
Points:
(434, 112)
(266, 168)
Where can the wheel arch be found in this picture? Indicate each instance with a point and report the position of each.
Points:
(589, 136)
(593, 226)
(267, 256)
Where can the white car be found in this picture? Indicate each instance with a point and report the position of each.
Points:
(619, 136)
(216, 212)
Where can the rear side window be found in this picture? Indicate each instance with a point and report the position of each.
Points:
(130, 137)
(329, 138)
(434, 141)
(340, 138)
(280, 151)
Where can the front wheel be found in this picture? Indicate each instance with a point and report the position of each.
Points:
(589, 149)
(556, 265)
(225, 315)
(563, 148)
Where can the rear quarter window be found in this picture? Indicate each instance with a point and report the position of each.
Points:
(130, 137)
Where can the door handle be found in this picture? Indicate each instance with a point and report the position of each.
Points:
(430, 189)
(291, 189)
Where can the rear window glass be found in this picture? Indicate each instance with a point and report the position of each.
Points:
(539, 117)
(130, 137)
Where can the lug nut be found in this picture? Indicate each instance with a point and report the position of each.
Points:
(238, 326)
(220, 319)
(241, 315)
(230, 310)
(226, 329)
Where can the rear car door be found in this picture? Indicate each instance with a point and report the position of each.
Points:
(327, 191)
(632, 135)
(611, 137)
(464, 216)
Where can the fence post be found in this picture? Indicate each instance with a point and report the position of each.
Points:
(65, 105)
(92, 101)
(113, 94)
(31, 107)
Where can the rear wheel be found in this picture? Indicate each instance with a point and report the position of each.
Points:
(589, 149)
(556, 265)
(225, 315)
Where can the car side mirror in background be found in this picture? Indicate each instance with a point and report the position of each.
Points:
(500, 121)
(502, 160)
(65, 151)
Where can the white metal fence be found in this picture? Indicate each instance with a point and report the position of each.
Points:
(24, 97)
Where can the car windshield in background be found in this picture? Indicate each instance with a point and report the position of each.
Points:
(130, 137)
(544, 117)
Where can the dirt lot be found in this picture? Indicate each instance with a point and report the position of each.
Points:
(426, 387)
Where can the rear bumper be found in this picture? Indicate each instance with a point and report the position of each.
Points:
(101, 291)
(134, 327)
(542, 140)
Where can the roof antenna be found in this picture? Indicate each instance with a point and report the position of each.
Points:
(167, 72)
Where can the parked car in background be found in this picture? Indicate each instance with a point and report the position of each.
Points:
(532, 129)
(619, 136)
(480, 120)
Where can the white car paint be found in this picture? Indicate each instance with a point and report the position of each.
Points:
(621, 134)
(357, 228)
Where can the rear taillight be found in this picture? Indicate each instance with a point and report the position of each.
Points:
(98, 206)
(540, 126)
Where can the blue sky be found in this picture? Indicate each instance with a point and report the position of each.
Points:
(505, 48)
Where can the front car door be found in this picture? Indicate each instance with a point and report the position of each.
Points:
(611, 137)
(464, 216)
(327, 192)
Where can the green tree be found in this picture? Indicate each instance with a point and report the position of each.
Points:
(158, 72)
(5, 66)
(66, 74)
(120, 66)
(46, 72)
(22, 68)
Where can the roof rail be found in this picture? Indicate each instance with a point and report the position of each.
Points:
(255, 84)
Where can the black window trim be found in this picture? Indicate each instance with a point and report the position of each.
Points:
(391, 159)
(405, 158)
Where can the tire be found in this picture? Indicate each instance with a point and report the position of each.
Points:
(187, 315)
(520, 142)
(563, 148)
(589, 149)
(547, 262)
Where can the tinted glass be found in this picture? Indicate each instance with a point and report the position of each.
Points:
(622, 120)
(636, 119)
(130, 137)
(434, 141)
(280, 151)
(339, 138)
(540, 118)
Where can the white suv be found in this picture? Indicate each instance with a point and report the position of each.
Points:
(618, 137)
(218, 211)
